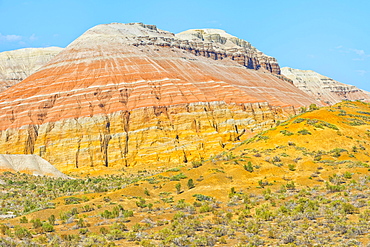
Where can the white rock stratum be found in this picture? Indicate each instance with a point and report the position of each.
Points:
(28, 163)
(323, 88)
(18, 64)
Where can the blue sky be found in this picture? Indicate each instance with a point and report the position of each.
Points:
(327, 36)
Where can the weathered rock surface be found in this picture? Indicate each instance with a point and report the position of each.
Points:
(218, 44)
(28, 163)
(323, 88)
(19, 64)
(123, 94)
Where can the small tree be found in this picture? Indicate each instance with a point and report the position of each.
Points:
(313, 107)
(51, 219)
(103, 230)
(178, 188)
(23, 220)
(191, 184)
(80, 223)
(36, 223)
(249, 167)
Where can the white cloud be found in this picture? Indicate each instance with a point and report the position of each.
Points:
(361, 72)
(359, 53)
(10, 37)
(33, 37)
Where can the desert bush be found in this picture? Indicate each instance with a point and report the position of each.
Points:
(23, 220)
(190, 184)
(292, 167)
(286, 132)
(248, 167)
(47, 227)
(178, 177)
(298, 120)
(196, 164)
(21, 232)
(178, 188)
(72, 200)
(201, 197)
(304, 132)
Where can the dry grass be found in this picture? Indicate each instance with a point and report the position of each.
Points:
(308, 188)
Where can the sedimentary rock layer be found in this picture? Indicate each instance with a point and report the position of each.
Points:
(19, 64)
(323, 88)
(218, 44)
(28, 163)
(107, 101)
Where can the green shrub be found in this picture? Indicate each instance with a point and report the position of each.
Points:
(51, 219)
(201, 197)
(21, 232)
(23, 220)
(347, 175)
(36, 223)
(298, 120)
(196, 164)
(178, 177)
(72, 200)
(248, 167)
(47, 227)
(191, 184)
(304, 132)
(286, 132)
(292, 167)
(178, 188)
(205, 208)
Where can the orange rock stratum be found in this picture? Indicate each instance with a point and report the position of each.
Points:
(123, 94)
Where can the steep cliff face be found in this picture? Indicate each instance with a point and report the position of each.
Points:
(219, 44)
(323, 88)
(110, 99)
(19, 64)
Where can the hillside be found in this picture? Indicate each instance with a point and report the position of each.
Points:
(323, 88)
(127, 94)
(305, 182)
(17, 65)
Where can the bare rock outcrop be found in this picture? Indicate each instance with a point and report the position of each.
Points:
(19, 64)
(218, 44)
(124, 94)
(28, 163)
(323, 88)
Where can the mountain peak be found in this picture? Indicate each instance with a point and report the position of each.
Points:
(126, 94)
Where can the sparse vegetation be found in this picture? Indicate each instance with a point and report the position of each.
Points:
(279, 190)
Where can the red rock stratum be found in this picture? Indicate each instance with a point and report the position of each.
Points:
(123, 94)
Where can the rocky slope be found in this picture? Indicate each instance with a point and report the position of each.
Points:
(323, 88)
(19, 64)
(126, 94)
(28, 163)
(218, 44)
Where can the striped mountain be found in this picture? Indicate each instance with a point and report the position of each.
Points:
(126, 94)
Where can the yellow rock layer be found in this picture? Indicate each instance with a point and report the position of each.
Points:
(162, 135)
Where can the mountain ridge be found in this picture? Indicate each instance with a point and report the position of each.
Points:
(16, 65)
(323, 88)
(123, 94)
